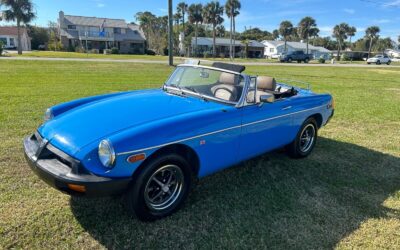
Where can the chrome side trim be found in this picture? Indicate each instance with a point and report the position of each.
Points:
(216, 132)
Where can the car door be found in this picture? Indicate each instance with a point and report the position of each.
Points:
(265, 126)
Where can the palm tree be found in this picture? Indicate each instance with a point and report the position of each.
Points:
(212, 14)
(182, 8)
(372, 33)
(275, 34)
(177, 18)
(286, 30)
(306, 28)
(220, 31)
(196, 18)
(340, 33)
(20, 11)
(351, 32)
(232, 8)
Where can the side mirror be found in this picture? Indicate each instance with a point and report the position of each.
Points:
(267, 98)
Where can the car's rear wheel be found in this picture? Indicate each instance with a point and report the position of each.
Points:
(388, 63)
(161, 188)
(378, 62)
(305, 140)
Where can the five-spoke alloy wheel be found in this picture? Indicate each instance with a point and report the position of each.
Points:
(160, 188)
(305, 139)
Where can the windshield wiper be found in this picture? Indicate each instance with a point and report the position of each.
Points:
(195, 91)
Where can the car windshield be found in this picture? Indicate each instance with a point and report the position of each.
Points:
(207, 83)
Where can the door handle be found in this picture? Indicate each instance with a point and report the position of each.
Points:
(286, 108)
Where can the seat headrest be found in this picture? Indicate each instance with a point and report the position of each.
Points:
(227, 78)
(266, 82)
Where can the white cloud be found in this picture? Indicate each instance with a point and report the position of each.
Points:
(349, 11)
(100, 5)
(393, 3)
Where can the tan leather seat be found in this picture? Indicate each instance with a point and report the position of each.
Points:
(226, 89)
(265, 86)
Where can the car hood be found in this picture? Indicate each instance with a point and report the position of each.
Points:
(85, 124)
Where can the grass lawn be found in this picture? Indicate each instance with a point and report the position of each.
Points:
(345, 195)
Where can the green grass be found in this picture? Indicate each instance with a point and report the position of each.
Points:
(345, 195)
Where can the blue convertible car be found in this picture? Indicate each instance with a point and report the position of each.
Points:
(151, 144)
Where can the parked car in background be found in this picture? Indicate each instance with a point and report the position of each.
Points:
(379, 59)
(298, 56)
(151, 144)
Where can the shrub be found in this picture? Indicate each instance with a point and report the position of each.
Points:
(1, 48)
(222, 55)
(321, 59)
(114, 50)
(94, 51)
(79, 49)
(345, 57)
(206, 54)
(71, 48)
(150, 52)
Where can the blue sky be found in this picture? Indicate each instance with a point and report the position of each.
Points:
(265, 14)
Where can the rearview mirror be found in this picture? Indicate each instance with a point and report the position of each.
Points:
(267, 98)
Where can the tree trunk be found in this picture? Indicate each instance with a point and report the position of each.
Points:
(307, 44)
(234, 37)
(19, 37)
(183, 22)
(230, 45)
(339, 48)
(214, 49)
(195, 43)
(370, 47)
(285, 45)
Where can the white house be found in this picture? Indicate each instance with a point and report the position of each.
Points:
(273, 49)
(393, 53)
(9, 38)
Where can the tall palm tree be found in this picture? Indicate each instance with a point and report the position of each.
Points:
(306, 28)
(212, 14)
(286, 30)
(177, 18)
(372, 33)
(196, 18)
(20, 11)
(182, 8)
(232, 8)
(351, 32)
(340, 33)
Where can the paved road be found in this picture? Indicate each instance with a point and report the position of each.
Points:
(202, 61)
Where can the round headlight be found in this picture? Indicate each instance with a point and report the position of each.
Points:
(106, 153)
(48, 115)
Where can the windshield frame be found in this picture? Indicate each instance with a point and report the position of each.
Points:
(202, 96)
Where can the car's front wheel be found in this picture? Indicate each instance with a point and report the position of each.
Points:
(305, 140)
(389, 62)
(161, 188)
(378, 62)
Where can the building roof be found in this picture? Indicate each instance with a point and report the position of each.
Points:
(208, 41)
(94, 21)
(296, 45)
(11, 30)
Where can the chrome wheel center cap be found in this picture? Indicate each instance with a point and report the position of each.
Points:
(165, 189)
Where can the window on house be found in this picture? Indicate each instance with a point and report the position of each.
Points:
(117, 30)
(271, 50)
(135, 32)
(12, 42)
(3, 40)
(72, 27)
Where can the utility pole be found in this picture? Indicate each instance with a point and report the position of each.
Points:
(170, 34)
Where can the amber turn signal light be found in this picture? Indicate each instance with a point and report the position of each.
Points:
(135, 158)
(77, 188)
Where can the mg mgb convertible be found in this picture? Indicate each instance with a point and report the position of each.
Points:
(152, 144)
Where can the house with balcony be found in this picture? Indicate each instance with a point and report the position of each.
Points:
(100, 34)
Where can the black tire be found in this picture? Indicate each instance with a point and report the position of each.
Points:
(138, 195)
(306, 60)
(368, 63)
(389, 62)
(297, 149)
(378, 62)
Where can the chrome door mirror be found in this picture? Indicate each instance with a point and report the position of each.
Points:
(269, 98)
